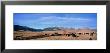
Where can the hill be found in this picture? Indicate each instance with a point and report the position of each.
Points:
(25, 28)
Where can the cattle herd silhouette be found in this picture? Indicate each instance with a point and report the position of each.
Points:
(29, 35)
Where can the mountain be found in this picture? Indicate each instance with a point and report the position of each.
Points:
(25, 28)
(52, 28)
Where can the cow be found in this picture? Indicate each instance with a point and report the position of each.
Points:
(87, 33)
(79, 33)
(68, 34)
(90, 38)
(91, 34)
(56, 34)
(72, 34)
(46, 35)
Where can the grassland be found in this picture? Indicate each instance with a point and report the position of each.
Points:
(55, 35)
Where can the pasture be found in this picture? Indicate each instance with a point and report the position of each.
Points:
(56, 35)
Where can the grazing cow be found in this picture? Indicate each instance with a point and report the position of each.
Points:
(90, 39)
(74, 35)
(87, 33)
(46, 35)
(79, 33)
(91, 34)
(68, 35)
(56, 34)
(52, 35)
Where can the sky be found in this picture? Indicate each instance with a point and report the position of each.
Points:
(66, 20)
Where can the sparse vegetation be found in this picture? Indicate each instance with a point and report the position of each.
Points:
(62, 34)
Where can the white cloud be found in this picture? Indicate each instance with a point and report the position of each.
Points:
(63, 19)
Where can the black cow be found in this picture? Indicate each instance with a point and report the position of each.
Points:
(68, 35)
(79, 33)
(87, 33)
(90, 38)
(52, 35)
(91, 34)
(74, 35)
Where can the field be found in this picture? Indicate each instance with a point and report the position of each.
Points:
(55, 26)
(56, 35)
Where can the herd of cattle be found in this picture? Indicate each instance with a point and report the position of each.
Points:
(27, 35)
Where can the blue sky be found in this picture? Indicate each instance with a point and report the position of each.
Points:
(67, 20)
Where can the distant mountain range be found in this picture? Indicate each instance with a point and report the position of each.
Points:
(25, 28)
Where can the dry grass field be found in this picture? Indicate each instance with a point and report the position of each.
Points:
(82, 37)
(56, 35)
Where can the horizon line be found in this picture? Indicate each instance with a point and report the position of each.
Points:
(64, 27)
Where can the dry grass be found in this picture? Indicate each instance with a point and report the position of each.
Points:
(28, 35)
(81, 37)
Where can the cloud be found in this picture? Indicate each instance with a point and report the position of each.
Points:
(57, 19)
(48, 20)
